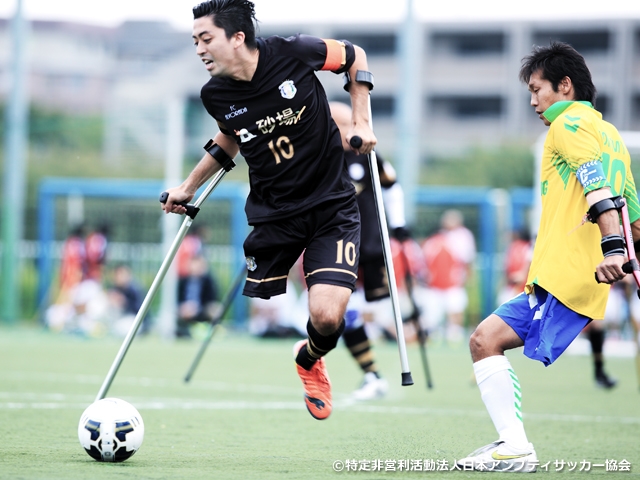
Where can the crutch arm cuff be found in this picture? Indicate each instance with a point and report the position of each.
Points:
(220, 155)
(362, 76)
(598, 208)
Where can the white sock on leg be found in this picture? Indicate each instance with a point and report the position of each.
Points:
(500, 392)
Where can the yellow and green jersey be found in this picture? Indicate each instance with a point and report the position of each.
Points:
(582, 153)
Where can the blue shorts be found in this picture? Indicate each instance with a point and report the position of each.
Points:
(545, 325)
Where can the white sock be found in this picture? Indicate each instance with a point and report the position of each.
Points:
(500, 391)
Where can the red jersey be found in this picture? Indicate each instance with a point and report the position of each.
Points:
(190, 247)
(448, 255)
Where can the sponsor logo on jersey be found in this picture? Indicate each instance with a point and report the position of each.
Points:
(235, 112)
(245, 135)
(251, 263)
(287, 89)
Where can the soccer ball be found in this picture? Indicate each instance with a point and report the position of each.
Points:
(111, 430)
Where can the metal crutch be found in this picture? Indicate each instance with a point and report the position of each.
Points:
(192, 211)
(356, 142)
(215, 321)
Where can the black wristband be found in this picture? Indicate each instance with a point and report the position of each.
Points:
(362, 76)
(612, 245)
(220, 155)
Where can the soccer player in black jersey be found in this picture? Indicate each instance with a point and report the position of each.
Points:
(372, 269)
(270, 106)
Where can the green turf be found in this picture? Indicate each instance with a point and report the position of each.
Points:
(242, 415)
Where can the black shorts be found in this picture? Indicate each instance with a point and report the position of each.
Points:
(374, 278)
(329, 236)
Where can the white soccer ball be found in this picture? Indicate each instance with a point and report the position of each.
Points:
(111, 430)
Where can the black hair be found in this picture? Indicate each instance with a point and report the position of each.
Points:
(232, 16)
(556, 61)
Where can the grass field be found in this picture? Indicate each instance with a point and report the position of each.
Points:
(242, 415)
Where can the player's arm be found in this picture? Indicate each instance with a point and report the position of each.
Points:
(583, 153)
(387, 173)
(610, 269)
(359, 93)
(223, 147)
(393, 199)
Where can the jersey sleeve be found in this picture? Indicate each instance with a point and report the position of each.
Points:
(209, 108)
(577, 144)
(336, 56)
(631, 196)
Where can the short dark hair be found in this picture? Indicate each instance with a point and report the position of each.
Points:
(556, 61)
(232, 16)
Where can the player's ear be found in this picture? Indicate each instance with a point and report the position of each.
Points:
(565, 86)
(238, 38)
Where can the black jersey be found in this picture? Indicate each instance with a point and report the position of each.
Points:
(282, 123)
(360, 174)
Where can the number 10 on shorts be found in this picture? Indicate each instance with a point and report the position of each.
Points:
(348, 252)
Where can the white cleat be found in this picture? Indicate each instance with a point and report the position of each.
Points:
(499, 457)
(372, 387)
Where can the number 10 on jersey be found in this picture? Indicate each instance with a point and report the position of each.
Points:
(281, 147)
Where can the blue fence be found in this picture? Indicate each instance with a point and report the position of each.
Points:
(488, 228)
(129, 190)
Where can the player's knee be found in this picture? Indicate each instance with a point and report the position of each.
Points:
(478, 343)
(326, 324)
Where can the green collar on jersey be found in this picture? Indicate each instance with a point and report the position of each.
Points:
(557, 108)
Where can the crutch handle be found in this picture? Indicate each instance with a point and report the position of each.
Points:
(192, 210)
(628, 267)
(631, 266)
(356, 141)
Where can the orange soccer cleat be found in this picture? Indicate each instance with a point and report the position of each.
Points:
(317, 386)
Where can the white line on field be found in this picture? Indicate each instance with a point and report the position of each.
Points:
(153, 382)
(36, 401)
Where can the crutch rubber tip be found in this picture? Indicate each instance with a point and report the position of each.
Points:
(406, 379)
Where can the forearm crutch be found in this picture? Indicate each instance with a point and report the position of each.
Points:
(192, 211)
(415, 318)
(632, 265)
(633, 268)
(356, 142)
(217, 319)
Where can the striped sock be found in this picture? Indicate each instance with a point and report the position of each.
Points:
(358, 344)
(501, 394)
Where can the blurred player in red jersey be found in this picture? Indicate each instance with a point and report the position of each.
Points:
(449, 255)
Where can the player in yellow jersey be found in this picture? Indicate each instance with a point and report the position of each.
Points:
(585, 168)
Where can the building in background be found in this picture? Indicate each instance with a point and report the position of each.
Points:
(469, 91)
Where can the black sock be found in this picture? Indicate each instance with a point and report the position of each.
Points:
(596, 337)
(358, 344)
(317, 345)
